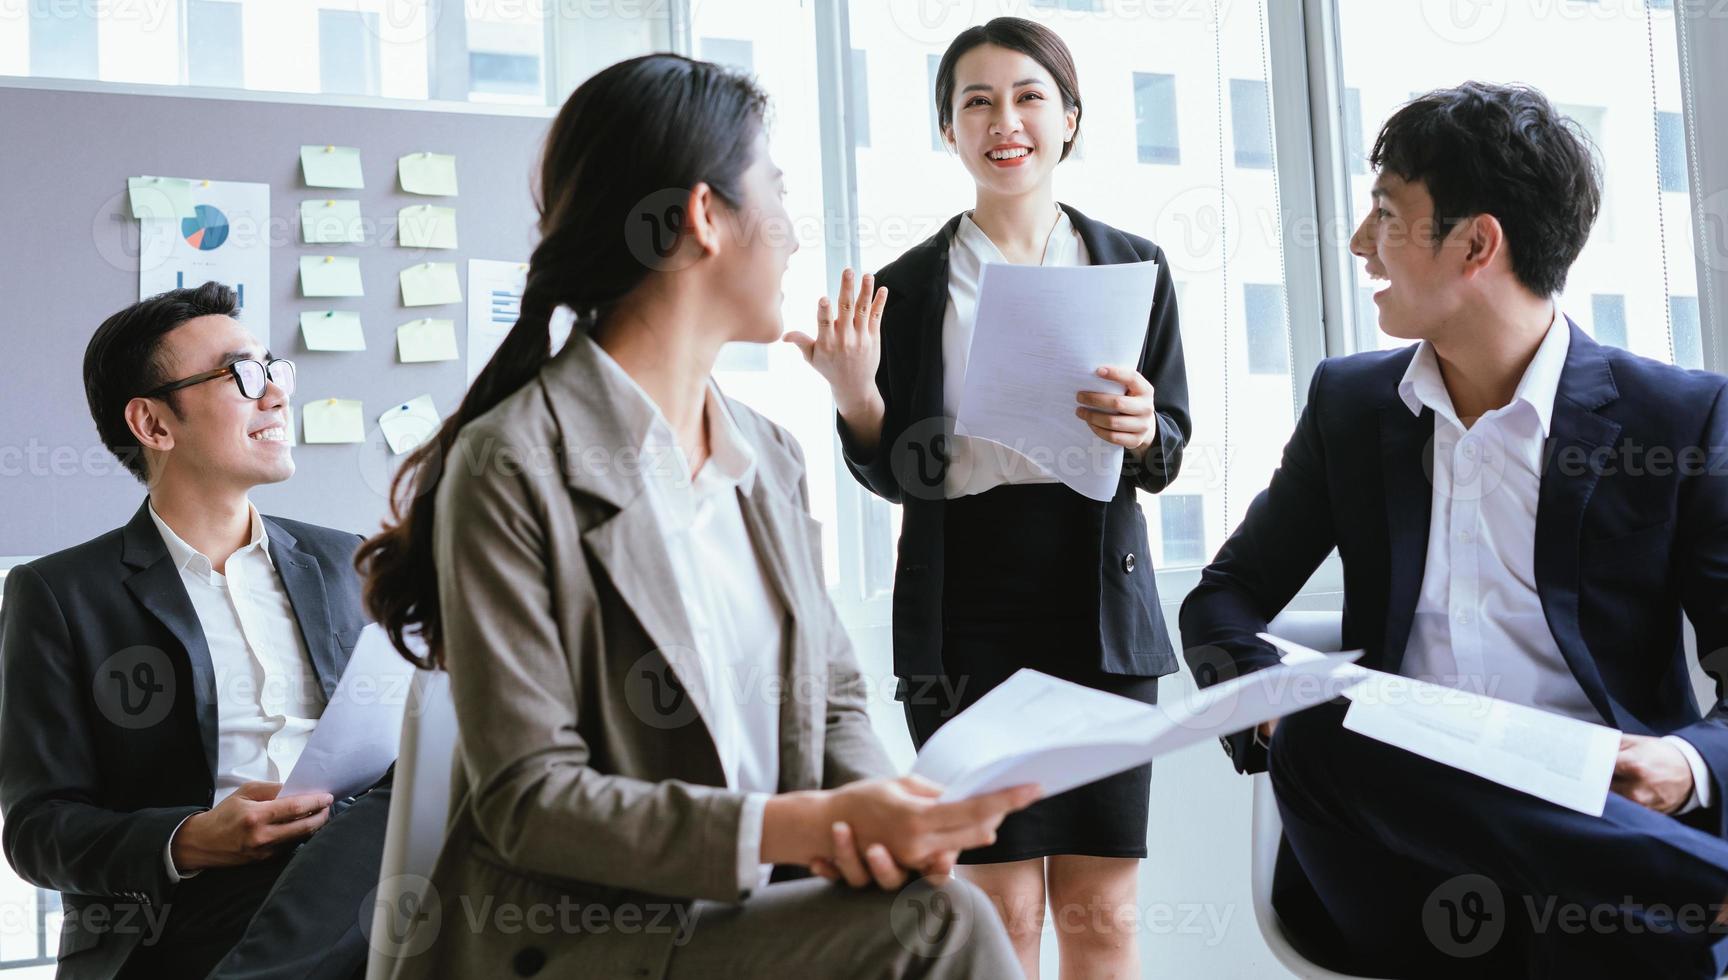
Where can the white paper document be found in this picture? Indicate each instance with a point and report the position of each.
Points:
(1041, 334)
(1035, 728)
(355, 740)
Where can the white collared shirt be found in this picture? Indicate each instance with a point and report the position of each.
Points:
(736, 617)
(1479, 623)
(978, 465)
(267, 695)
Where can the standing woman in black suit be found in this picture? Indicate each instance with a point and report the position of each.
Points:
(1001, 565)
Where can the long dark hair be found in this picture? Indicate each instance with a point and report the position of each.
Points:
(626, 147)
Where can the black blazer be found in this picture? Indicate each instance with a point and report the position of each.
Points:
(108, 715)
(911, 461)
(1631, 529)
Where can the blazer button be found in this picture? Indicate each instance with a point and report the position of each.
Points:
(528, 961)
(1128, 562)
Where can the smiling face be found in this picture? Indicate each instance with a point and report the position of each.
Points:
(213, 432)
(757, 240)
(1425, 287)
(1009, 125)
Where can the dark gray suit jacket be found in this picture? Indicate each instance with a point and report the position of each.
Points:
(108, 716)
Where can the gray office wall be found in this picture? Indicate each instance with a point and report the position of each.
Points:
(68, 259)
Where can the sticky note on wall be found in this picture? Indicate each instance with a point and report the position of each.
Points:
(330, 275)
(426, 340)
(426, 226)
(331, 166)
(430, 284)
(331, 222)
(332, 330)
(428, 173)
(333, 420)
(409, 424)
(160, 197)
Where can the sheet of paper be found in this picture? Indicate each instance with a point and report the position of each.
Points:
(154, 198)
(407, 425)
(331, 166)
(426, 226)
(1035, 728)
(1040, 336)
(330, 420)
(1563, 760)
(428, 173)
(430, 284)
(332, 330)
(357, 737)
(330, 275)
(226, 239)
(426, 340)
(495, 292)
(331, 222)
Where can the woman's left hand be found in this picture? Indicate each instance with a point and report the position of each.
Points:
(1127, 420)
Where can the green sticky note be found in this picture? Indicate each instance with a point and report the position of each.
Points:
(332, 330)
(330, 275)
(160, 197)
(426, 226)
(333, 420)
(428, 173)
(426, 340)
(430, 284)
(331, 166)
(331, 222)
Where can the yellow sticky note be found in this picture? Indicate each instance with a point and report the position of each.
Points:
(160, 197)
(333, 420)
(426, 340)
(331, 222)
(330, 275)
(409, 424)
(332, 330)
(428, 173)
(331, 166)
(426, 226)
(430, 284)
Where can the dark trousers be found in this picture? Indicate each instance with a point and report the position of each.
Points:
(297, 915)
(1396, 866)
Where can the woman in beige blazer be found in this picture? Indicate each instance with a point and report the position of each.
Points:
(656, 701)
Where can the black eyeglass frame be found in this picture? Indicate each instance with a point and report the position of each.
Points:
(266, 371)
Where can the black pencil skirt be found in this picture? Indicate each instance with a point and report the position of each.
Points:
(1021, 589)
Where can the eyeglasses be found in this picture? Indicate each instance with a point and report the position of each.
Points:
(249, 375)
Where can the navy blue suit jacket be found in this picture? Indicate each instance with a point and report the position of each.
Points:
(1631, 531)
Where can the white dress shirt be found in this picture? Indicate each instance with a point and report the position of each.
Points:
(1479, 623)
(736, 617)
(267, 695)
(978, 465)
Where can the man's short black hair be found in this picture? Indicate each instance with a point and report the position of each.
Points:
(124, 360)
(1501, 150)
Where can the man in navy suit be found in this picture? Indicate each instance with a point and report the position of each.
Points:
(158, 682)
(1520, 512)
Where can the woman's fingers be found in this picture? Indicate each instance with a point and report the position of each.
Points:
(861, 308)
(877, 304)
(846, 857)
(889, 876)
(1132, 380)
(805, 343)
(823, 868)
(1111, 421)
(843, 312)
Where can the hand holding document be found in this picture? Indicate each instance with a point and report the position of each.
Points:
(1041, 334)
(1035, 728)
(1563, 760)
(356, 738)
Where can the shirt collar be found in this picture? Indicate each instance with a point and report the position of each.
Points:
(1540, 385)
(187, 557)
(975, 239)
(731, 460)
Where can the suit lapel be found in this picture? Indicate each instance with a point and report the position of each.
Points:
(158, 588)
(1586, 384)
(303, 580)
(1406, 448)
(769, 519)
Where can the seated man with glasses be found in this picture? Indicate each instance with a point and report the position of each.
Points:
(158, 683)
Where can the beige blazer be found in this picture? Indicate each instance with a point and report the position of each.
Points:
(590, 806)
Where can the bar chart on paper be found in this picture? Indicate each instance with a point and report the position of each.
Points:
(494, 304)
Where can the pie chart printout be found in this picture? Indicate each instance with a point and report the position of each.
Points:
(207, 230)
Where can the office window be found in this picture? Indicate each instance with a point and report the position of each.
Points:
(1353, 146)
(348, 52)
(1155, 118)
(932, 64)
(1081, 5)
(1263, 312)
(1182, 516)
(860, 98)
(732, 52)
(213, 44)
(1251, 123)
(62, 39)
(1608, 318)
(1671, 150)
(1688, 341)
(504, 59)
